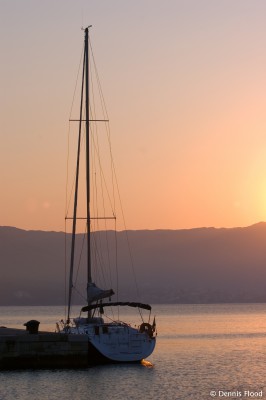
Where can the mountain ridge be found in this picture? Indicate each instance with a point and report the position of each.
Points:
(200, 265)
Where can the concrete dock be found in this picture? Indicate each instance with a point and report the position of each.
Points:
(20, 349)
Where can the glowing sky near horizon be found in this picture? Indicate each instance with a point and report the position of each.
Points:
(185, 87)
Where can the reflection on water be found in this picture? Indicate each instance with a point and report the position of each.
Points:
(146, 363)
(199, 348)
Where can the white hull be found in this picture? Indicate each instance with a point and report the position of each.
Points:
(116, 342)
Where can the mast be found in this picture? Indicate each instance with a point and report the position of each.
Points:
(85, 76)
(86, 50)
(85, 94)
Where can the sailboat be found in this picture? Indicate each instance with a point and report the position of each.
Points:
(108, 340)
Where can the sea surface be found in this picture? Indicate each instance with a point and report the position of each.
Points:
(202, 352)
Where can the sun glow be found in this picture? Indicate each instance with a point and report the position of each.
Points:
(188, 127)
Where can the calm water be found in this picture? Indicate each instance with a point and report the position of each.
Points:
(200, 348)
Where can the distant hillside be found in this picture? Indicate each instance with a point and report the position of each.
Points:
(202, 265)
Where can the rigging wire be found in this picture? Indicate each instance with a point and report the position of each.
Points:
(97, 165)
(101, 243)
(104, 108)
(96, 147)
(103, 184)
(65, 236)
(98, 259)
(68, 142)
(67, 180)
(80, 256)
(116, 267)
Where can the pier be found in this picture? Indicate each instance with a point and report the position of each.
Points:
(23, 349)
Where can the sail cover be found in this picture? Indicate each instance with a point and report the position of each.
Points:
(118, 303)
(94, 293)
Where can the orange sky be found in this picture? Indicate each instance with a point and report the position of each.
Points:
(185, 88)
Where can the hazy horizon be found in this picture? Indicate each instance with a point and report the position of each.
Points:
(142, 229)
